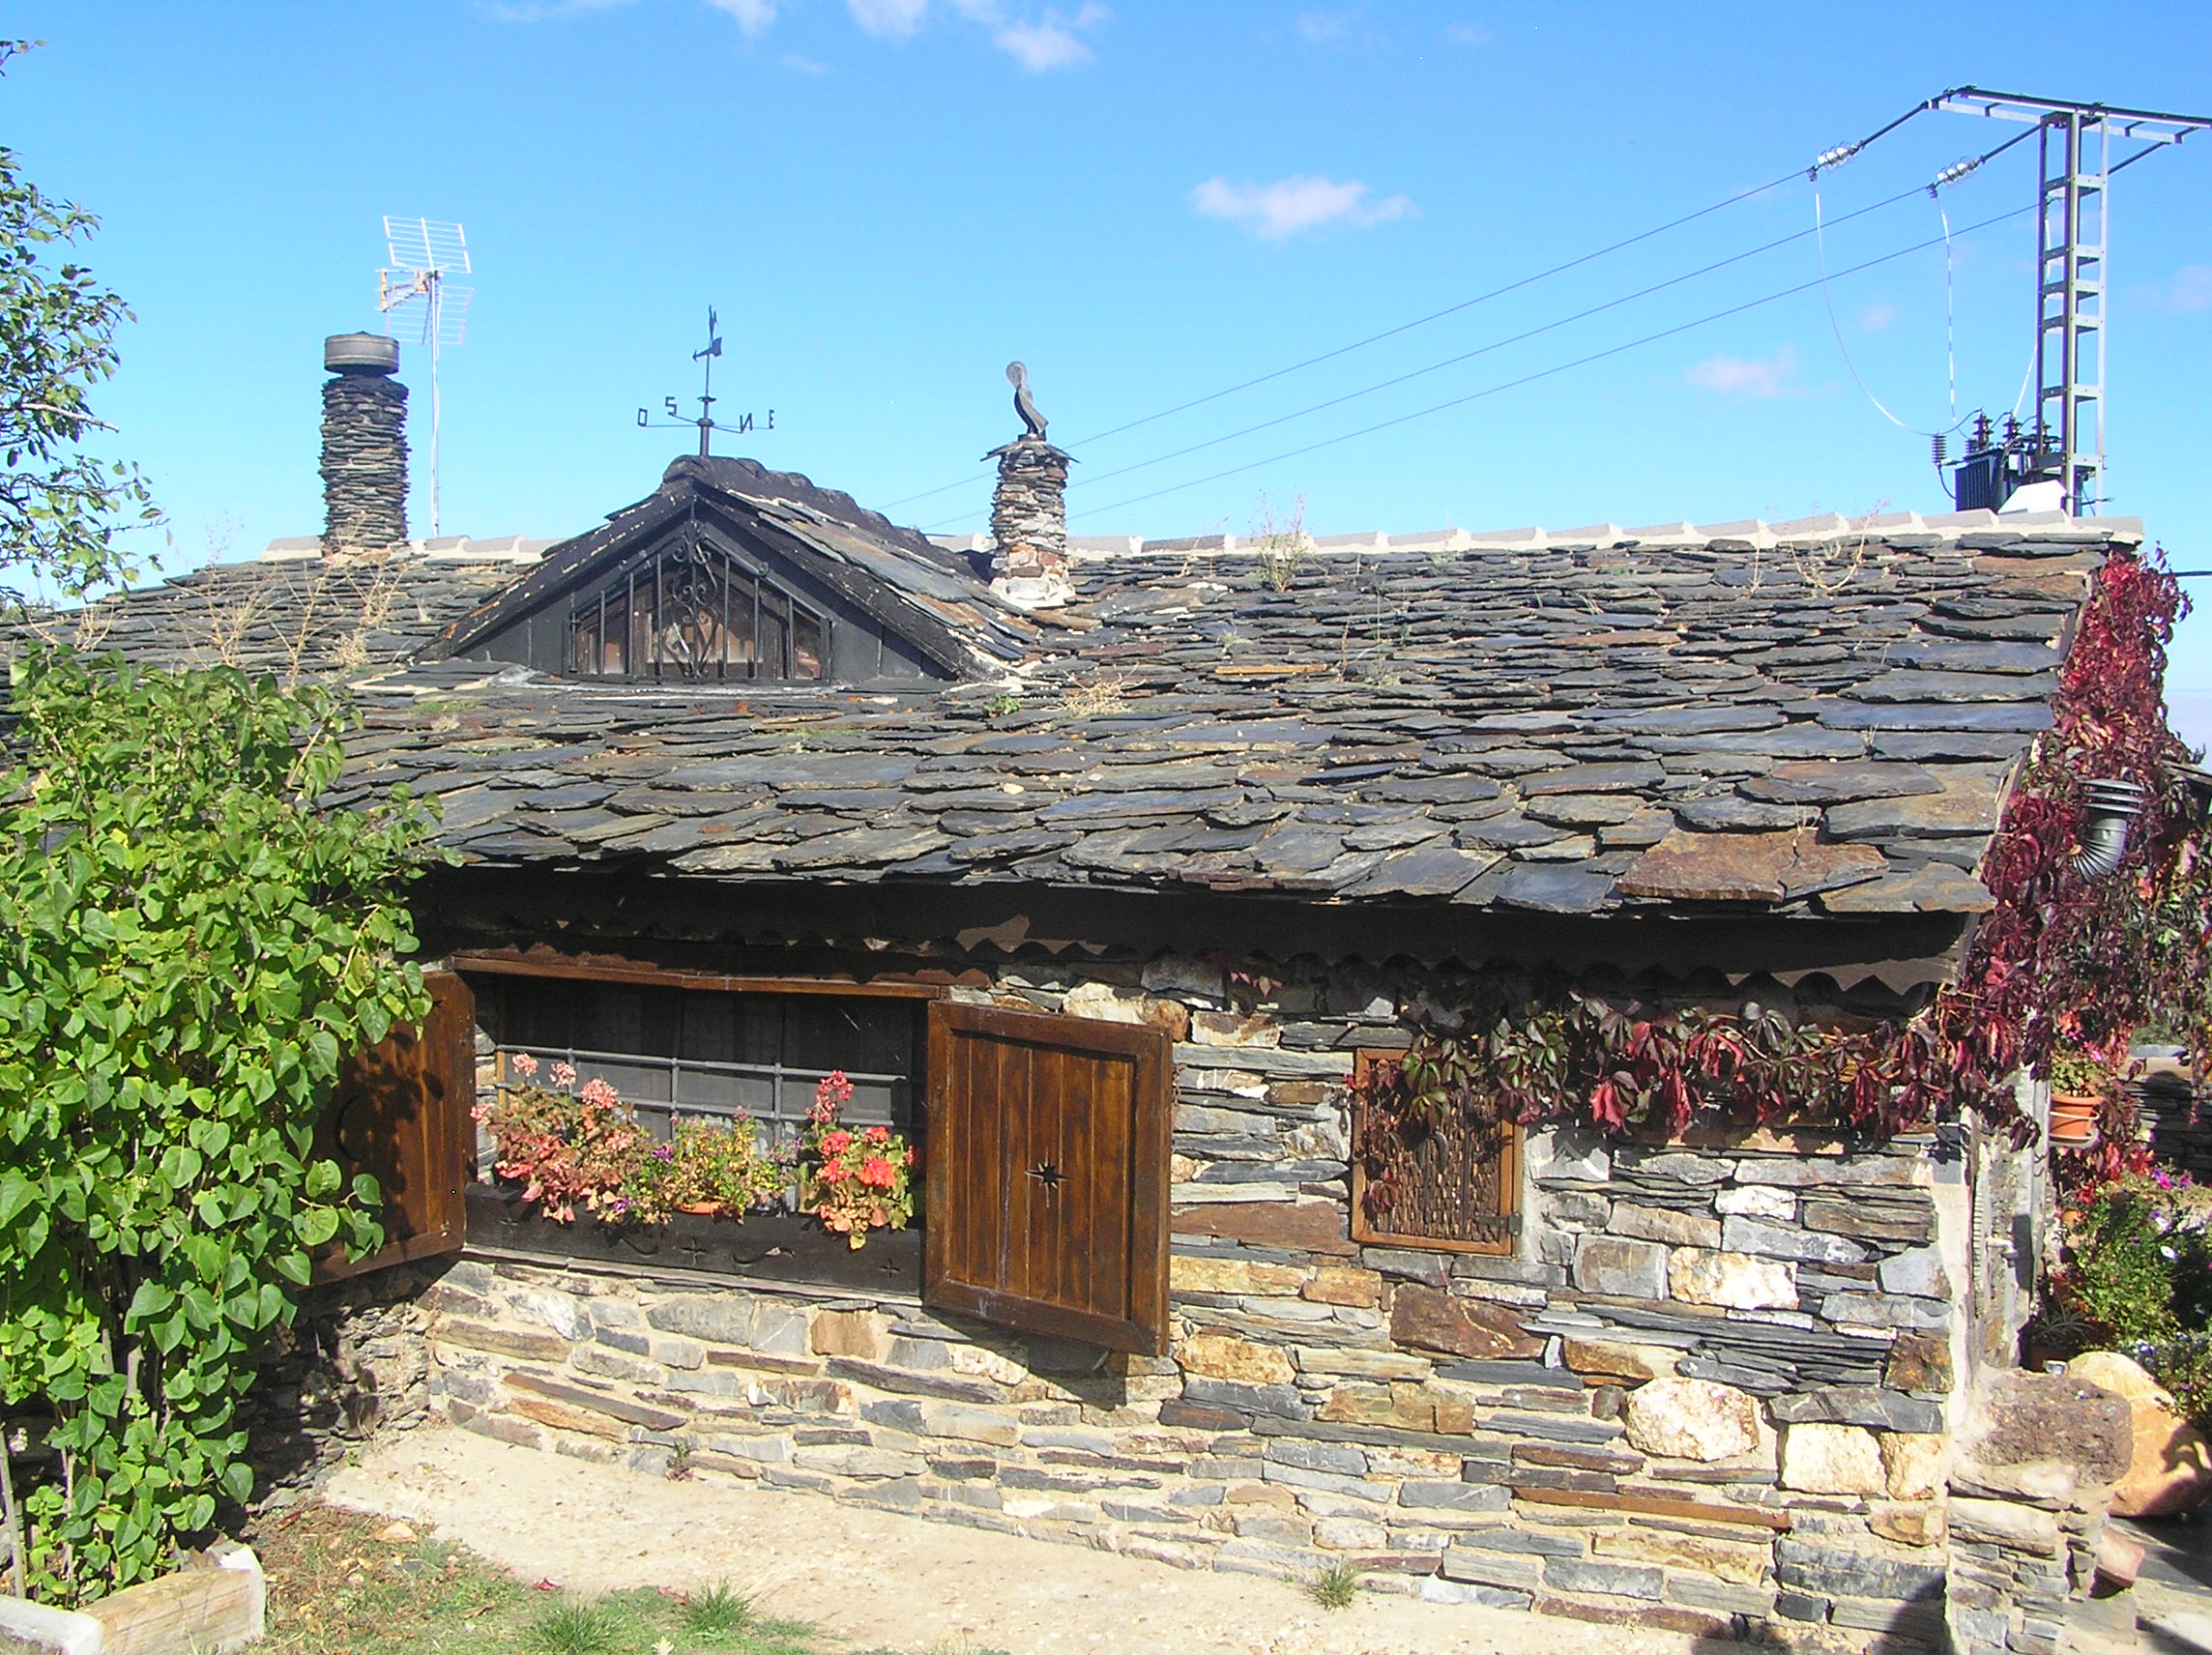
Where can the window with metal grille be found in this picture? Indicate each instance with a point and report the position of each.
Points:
(690, 611)
(1450, 1184)
(674, 1052)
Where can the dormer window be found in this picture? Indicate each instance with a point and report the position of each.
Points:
(690, 611)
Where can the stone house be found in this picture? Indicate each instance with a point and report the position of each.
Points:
(1104, 868)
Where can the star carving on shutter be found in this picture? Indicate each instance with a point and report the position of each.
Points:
(1049, 1175)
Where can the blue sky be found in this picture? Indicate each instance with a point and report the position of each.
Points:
(888, 200)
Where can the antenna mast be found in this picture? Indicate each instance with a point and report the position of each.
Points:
(2065, 443)
(414, 291)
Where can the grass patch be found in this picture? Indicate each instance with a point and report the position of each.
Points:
(1337, 1585)
(334, 1588)
(719, 1612)
(579, 1628)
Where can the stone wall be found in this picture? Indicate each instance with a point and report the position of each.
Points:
(355, 1361)
(2029, 1494)
(1709, 1389)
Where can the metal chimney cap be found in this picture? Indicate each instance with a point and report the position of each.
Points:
(361, 353)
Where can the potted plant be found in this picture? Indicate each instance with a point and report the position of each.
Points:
(568, 1148)
(855, 1180)
(707, 1167)
(2080, 1081)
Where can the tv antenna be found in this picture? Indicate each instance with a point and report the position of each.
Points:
(414, 293)
(707, 424)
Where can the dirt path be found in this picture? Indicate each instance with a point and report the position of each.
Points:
(879, 1578)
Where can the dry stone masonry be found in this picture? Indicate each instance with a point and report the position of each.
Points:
(364, 444)
(1711, 1389)
(1029, 522)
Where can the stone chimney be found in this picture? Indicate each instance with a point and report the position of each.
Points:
(1029, 510)
(364, 445)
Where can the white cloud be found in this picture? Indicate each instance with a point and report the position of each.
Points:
(1469, 35)
(1322, 27)
(2191, 289)
(799, 64)
(1041, 46)
(1049, 42)
(1740, 376)
(752, 15)
(895, 19)
(1874, 318)
(1275, 211)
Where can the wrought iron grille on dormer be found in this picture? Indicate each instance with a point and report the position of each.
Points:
(690, 611)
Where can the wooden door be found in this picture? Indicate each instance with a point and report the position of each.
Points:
(1048, 1174)
(402, 1115)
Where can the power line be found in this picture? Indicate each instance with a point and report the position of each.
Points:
(1449, 309)
(1393, 332)
(1549, 372)
(1493, 345)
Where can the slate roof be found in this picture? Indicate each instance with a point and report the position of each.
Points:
(1810, 720)
(926, 592)
(293, 611)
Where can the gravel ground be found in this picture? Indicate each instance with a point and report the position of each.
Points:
(877, 1577)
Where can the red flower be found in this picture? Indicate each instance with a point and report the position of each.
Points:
(831, 1173)
(877, 1172)
(836, 1142)
(878, 1134)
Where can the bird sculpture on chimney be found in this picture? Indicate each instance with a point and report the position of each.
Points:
(1019, 376)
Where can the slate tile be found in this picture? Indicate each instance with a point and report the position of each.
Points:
(1731, 813)
(1101, 806)
(1295, 848)
(1462, 789)
(861, 847)
(1837, 783)
(1938, 746)
(1506, 834)
(1432, 870)
(1593, 778)
(1005, 846)
(1933, 887)
(1747, 867)
(1585, 810)
(1563, 890)
(1806, 740)
(1950, 654)
(1966, 805)
(2023, 716)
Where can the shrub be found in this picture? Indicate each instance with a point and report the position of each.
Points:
(2137, 1277)
(188, 950)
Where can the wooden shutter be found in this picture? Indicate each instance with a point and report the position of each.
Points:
(1452, 1187)
(402, 1115)
(1048, 1175)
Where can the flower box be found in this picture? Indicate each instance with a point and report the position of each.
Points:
(764, 1246)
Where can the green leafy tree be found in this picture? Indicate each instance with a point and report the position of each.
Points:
(57, 341)
(189, 950)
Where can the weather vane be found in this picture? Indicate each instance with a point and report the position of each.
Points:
(707, 424)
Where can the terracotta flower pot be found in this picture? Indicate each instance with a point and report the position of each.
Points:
(699, 1208)
(2074, 1121)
